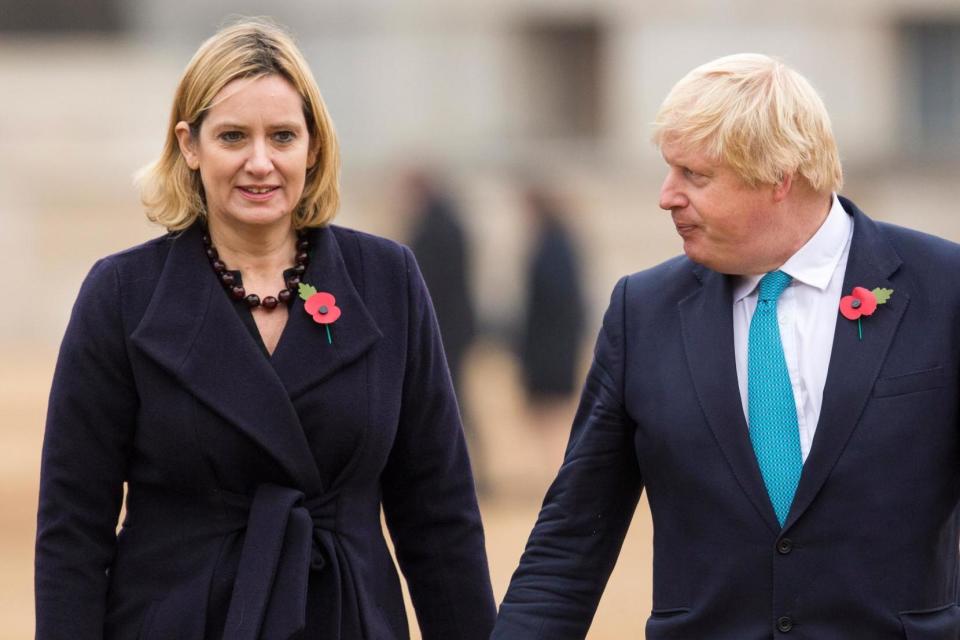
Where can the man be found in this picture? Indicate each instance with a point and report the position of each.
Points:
(798, 438)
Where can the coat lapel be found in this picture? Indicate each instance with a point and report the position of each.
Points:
(854, 363)
(191, 329)
(706, 318)
(305, 356)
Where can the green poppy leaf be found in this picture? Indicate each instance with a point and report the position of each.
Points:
(882, 295)
(306, 291)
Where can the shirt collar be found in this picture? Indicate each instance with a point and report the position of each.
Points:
(814, 263)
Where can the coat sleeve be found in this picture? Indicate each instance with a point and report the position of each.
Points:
(585, 515)
(429, 498)
(90, 420)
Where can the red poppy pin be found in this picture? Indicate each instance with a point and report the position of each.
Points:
(863, 302)
(322, 306)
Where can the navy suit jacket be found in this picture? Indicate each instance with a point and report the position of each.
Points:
(869, 549)
(239, 522)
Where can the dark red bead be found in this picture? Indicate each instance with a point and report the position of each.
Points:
(212, 253)
(219, 266)
(206, 240)
(238, 292)
(293, 283)
(252, 300)
(303, 257)
(269, 302)
(285, 296)
(303, 244)
(300, 269)
(227, 279)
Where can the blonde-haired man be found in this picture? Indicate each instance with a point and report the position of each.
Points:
(786, 392)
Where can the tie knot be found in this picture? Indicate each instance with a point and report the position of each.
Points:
(773, 284)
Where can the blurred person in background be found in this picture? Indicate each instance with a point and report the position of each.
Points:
(553, 320)
(787, 392)
(442, 248)
(259, 434)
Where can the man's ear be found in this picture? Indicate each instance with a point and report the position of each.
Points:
(187, 145)
(782, 189)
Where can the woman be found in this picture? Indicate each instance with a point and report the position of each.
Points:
(263, 382)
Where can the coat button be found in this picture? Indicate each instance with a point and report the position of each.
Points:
(785, 546)
(784, 624)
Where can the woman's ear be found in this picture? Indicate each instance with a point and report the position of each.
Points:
(187, 145)
(313, 153)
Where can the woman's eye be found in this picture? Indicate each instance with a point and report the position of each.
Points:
(284, 136)
(231, 136)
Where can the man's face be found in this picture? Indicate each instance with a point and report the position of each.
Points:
(726, 224)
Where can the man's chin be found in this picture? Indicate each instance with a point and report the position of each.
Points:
(712, 262)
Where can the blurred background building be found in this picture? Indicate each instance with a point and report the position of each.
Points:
(485, 93)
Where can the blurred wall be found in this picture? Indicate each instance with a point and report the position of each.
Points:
(565, 90)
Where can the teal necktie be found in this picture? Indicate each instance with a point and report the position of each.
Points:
(770, 404)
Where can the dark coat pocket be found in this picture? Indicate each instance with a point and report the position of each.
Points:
(147, 622)
(180, 615)
(942, 623)
(909, 383)
(668, 623)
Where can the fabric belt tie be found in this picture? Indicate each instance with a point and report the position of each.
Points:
(286, 536)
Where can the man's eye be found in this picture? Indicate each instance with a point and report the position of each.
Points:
(284, 136)
(231, 136)
(690, 173)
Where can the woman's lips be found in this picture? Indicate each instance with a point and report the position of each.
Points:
(257, 194)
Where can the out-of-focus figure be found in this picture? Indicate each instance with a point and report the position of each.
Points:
(442, 249)
(553, 323)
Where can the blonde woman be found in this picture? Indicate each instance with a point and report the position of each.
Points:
(263, 382)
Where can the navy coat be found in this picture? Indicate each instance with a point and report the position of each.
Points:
(869, 549)
(255, 485)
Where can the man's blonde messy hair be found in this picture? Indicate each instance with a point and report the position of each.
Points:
(758, 116)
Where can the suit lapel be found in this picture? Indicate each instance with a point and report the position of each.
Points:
(854, 363)
(706, 318)
(191, 329)
(305, 357)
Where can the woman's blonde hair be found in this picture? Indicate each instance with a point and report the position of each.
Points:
(757, 115)
(173, 193)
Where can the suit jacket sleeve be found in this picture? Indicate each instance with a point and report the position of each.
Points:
(90, 420)
(428, 493)
(575, 543)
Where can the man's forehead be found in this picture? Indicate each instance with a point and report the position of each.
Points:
(675, 151)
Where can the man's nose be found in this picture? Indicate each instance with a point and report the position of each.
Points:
(671, 196)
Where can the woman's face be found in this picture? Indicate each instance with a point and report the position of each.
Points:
(253, 151)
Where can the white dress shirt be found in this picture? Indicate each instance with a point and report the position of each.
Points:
(807, 313)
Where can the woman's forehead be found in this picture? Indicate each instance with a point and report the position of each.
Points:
(270, 95)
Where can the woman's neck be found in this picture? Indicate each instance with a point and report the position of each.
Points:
(254, 250)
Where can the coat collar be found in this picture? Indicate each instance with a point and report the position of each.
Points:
(706, 318)
(191, 329)
(304, 356)
(854, 364)
(707, 324)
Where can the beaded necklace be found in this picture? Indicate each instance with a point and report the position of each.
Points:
(237, 292)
